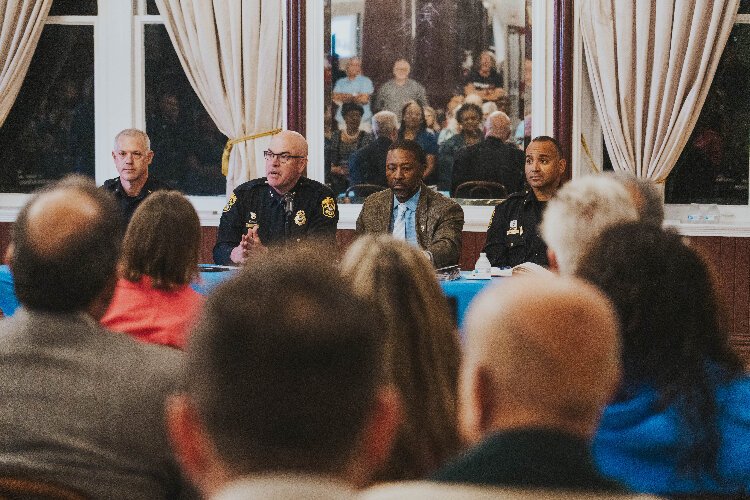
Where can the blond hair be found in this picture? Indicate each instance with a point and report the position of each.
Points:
(421, 349)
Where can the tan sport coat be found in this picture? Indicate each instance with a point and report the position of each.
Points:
(439, 222)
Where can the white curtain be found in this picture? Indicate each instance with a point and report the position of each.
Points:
(231, 51)
(21, 23)
(651, 63)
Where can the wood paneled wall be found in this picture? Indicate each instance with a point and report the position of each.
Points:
(729, 257)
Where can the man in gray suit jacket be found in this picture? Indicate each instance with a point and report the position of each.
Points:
(411, 211)
(81, 407)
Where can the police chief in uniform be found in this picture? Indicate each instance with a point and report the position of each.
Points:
(512, 237)
(279, 208)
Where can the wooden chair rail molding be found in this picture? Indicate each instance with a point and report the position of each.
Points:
(729, 256)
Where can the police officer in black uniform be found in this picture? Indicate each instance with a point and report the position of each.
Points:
(279, 208)
(512, 237)
(132, 154)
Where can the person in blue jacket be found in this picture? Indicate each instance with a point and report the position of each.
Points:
(680, 423)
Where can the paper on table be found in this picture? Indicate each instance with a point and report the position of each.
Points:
(530, 268)
(505, 272)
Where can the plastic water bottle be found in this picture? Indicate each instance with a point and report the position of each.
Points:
(483, 268)
(712, 214)
(695, 214)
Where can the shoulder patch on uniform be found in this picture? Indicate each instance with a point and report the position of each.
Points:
(329, 207)
(232, 200)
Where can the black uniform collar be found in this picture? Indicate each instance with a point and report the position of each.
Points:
(147, 189)
(280, 197)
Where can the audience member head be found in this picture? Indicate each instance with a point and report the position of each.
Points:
(412, 118)
(421, 349)
(673, 332)
(352, 114)
(486, 62)
(578, 213)
(469, 117)
(498, 125)
(297, 388)
(353, 67)
(430, 118)
(488, 108)
(385, 124)
(283, 174)
(162, 241)
(647, 199)
(519, 370)
(69, 265)
(401, 69)
(404, 168)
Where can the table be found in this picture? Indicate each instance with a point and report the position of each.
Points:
(461, 290)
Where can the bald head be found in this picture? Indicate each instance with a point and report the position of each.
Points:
(498, 125)
(66, 242)
(291, 141)
(70, 209)
(540, 351)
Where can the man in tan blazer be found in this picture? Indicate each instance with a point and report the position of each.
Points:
(411, 211)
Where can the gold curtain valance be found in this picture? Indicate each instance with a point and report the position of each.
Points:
(231, 142)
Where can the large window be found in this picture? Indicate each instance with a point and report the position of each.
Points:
(49, 131)
(100, 67)
(714, 165)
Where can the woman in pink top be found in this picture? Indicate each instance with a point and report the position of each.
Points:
(153, 300)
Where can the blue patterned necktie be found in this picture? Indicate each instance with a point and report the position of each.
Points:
(399, 225)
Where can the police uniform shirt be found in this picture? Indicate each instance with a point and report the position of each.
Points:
(128, 204)
(255, 203)
(512, 236)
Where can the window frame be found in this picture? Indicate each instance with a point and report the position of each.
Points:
(735, 218)
(476, 217)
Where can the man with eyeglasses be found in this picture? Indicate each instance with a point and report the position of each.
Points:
(132, 154)
(278, 209)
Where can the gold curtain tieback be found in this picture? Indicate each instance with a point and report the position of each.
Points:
(231, 142)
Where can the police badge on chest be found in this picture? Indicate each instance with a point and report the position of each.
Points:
(513, 228)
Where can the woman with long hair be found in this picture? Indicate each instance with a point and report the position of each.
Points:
(421, 349)
(153, 300)
(414, 128)
(680, 423)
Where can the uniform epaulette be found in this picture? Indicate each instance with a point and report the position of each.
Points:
(261, 181)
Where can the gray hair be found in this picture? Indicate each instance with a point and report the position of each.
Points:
(648, 201)
(134, 132)
(579, 212)
(384, 124)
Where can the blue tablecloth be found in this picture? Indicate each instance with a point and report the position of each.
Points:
(8, 300)
(462, 290)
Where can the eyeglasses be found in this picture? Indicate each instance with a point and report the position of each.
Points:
(137, 155)
(283, 157)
